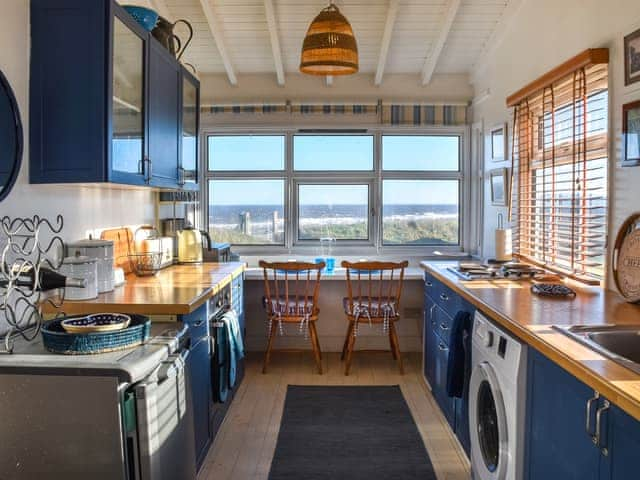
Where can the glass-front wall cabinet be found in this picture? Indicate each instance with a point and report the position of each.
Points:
(128, 100)
(189, 131)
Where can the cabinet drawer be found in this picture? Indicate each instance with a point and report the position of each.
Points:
(448, 300)
(443, 324)
(432, 286)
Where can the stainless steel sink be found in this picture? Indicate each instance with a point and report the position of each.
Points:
(620, 343)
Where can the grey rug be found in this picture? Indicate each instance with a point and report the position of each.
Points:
(348, 433)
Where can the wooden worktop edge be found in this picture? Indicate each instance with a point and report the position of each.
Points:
(615, 395)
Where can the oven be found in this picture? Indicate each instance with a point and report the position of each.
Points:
(226, 375)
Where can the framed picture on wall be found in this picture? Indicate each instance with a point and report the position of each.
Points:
(499, 179)
(499, 143)
(632, 58)
(631, 134)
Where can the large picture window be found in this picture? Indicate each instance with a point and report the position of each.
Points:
(374, 190)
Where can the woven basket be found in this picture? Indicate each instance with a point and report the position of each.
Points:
(57, 340)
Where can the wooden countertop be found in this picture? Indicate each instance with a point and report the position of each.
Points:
(511, 304)
(176, 290)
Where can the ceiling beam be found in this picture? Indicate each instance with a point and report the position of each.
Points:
(432, 60)
(219, 40)
(392, 12)
(161, 7)
(275, 42)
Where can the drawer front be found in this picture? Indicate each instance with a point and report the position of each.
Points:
(198, 324)
(432, 287)
(443, 324)
(448, 300)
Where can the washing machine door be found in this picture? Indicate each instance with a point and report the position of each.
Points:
(487, 425)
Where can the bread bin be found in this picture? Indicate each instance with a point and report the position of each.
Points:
(102, 251)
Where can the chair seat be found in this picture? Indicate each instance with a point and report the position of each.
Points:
(376, 309)
(297, 307)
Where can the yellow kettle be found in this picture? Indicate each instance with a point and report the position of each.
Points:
(190, 245)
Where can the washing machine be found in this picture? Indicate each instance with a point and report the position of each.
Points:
(497, 402)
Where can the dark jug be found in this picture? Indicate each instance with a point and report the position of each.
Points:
(163, 32)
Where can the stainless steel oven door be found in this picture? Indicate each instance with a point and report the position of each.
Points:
(165, 422)
(487, 425)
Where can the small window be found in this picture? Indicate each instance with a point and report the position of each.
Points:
(420, 212)
(248, 212)
(420, 153)
(337, 210)
(246, 152)
(333, 152)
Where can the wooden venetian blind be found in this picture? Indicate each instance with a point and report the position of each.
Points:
(559, 172)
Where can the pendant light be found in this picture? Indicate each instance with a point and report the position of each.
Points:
(329, 48)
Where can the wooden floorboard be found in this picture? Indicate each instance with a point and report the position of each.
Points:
(245, 444)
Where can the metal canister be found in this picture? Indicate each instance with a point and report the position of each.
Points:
(102, 251)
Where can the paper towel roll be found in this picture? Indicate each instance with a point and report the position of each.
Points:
(504, 245)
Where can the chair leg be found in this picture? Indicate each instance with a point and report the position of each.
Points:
(346, 341)
(267, 354)
(315, 343)
(394, 354)
(350, 345)
(396, 345)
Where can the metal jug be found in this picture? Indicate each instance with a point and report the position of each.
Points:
(163, 32)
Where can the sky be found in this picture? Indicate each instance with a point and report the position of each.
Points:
(333, 153)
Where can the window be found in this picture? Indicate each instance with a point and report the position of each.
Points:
(333, 152)
(421, 152)
(247, 212)
(246, 152)
(560, 174)
(371, 190)
(337, 211)
(420, 212)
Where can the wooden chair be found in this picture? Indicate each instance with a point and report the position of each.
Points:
(291, 297)
(374, 290)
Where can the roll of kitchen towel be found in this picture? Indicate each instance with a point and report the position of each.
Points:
(504, 244)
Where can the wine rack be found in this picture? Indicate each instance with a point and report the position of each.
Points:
(26, 244)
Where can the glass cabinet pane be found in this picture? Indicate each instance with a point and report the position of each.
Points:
(189, 131)
(128, 99)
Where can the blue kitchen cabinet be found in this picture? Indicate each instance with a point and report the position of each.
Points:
(106, 99)
(199, 368)
(622, 444)
(165, 105)
(441, 305)
(190, 130)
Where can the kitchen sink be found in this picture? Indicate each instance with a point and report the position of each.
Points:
(620, 343)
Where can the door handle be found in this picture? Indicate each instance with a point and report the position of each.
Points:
(442, 346)
(428, 283)
(444, 297)
(595, 397)
(598, 436)
(198, 323)
(444, 326)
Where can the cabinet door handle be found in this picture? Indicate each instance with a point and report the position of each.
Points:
(595, 397)
(598, 437)
(444, 297)
(444, 326)
(442, 346)
(150, 168)
(198, 323)
(428, 283)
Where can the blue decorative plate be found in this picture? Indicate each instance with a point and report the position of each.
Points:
(100, 322)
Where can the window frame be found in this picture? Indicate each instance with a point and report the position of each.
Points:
(373, 246)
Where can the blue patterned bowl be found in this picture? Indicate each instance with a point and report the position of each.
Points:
(144, 16)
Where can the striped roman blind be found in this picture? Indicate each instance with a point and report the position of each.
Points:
(560, 163)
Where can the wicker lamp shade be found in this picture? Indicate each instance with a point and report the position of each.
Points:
(329, 48)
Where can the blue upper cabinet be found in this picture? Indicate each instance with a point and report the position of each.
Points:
(190, 121)
(106, 98)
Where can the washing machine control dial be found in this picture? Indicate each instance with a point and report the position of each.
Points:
(488, 339)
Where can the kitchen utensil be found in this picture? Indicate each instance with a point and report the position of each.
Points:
(103, 252)
(146, 17)
(504, 243)
(626, 259)
(83, 267)
(190, 245)
(163, 32)
(98, 322)
(122, 239)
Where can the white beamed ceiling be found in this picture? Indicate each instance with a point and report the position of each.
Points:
(246, 37)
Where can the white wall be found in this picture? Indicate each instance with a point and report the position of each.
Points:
(83, 208)
(543, 34)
